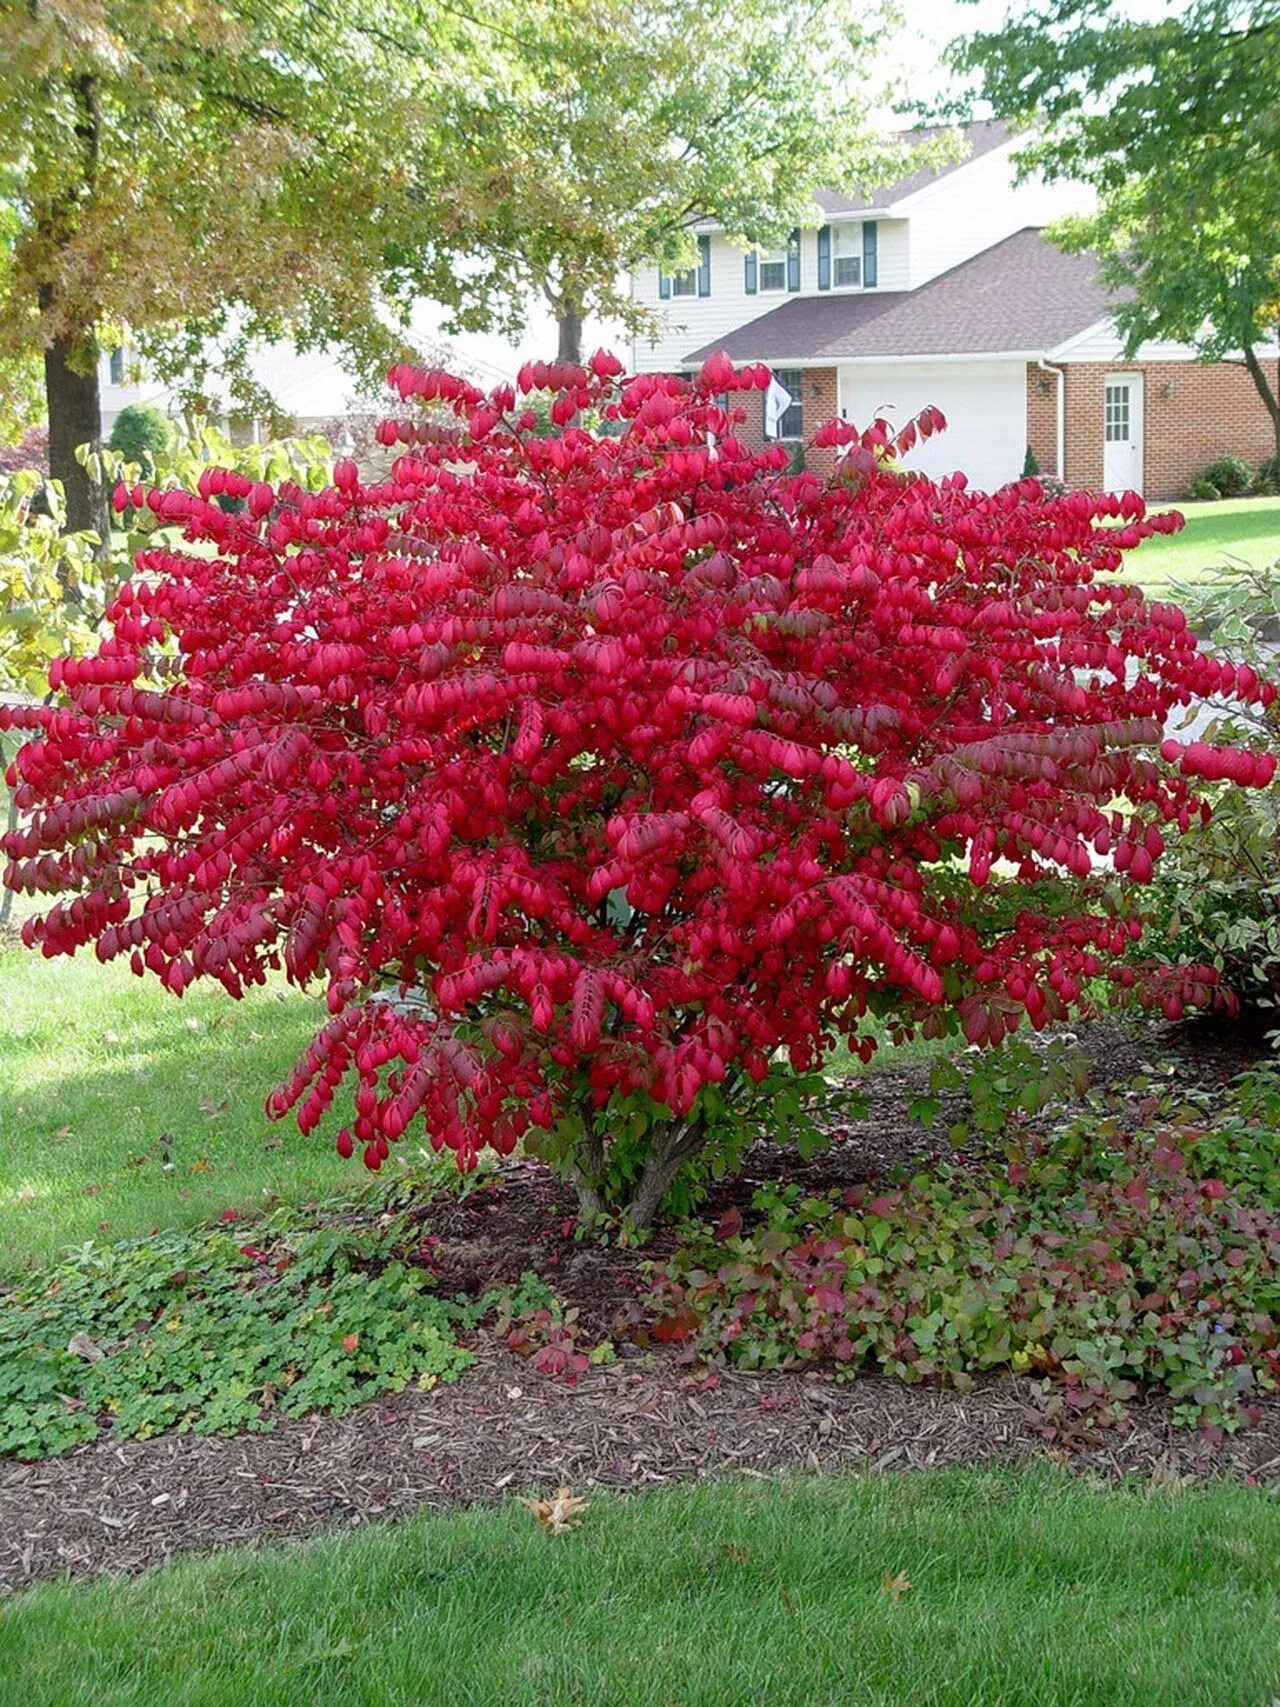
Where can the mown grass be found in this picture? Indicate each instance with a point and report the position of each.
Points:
(1245, 529)
(1024, 1588)
(104, 1077)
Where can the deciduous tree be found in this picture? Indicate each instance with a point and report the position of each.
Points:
(226, 169)
(617, 125)
(1175, 120)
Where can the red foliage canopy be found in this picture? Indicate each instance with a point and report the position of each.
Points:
(627, 758)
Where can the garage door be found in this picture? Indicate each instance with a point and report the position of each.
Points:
(985, 404)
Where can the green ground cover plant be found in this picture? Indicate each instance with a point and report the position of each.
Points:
(955, 1589)
(1098, 1259)
(229, 1330)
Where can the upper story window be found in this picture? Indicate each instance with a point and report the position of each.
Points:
(846, 255)
(689, 281)
(115, 365)
(773, 270)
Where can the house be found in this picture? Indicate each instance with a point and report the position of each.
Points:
(943, 289)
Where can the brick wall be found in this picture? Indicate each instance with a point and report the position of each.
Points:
(1195, 411)
(819, 397)
(1042, 418)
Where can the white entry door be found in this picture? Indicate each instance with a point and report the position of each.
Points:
(1122, 432)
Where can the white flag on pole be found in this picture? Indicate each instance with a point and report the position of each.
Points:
(777, 400)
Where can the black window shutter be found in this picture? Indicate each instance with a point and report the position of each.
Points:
(824, 258)
(793, 262)
(704, 266)
(749, 272)
(664, 286)
(870, 249)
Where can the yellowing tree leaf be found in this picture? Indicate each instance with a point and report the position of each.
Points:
(560, 1513)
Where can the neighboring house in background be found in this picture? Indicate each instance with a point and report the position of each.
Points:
(942, 289)
(319, 394)
(313, 389)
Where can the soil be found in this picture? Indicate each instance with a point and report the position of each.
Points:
(644, 1420)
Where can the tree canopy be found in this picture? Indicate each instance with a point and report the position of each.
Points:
(235, 168)
(210, 176)
(1175, 121)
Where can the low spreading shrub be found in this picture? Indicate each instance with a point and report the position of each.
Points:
(1097, 1262)
(607, 781)
(1202, 490)
(226, 1332)
(1230, 476)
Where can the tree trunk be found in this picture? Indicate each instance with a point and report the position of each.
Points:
(588, 1173)
(75, 418)
(678, 1145)
(672, 1146)
(1268, 395)
(569, 321)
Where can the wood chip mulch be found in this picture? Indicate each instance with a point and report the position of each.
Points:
(644, 1421)
(505, 1430)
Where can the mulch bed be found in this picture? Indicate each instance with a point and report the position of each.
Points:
(504, 1429)
(646, 1420)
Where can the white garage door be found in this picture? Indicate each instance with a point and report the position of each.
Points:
(985, 404)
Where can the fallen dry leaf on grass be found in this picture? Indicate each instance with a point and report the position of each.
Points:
(560, 1513)
(895, 1586)
(80, 1345)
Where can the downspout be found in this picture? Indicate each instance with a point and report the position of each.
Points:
(1061, 423)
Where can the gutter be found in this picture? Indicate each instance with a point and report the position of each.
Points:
(1061, 412)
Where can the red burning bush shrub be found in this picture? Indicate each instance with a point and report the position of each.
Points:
(598, 775)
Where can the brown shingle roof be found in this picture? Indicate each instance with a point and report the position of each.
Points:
(979, 139)
(1021, 294)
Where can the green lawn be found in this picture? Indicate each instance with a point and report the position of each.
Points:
(1241, 528)
(96, 1066)
(1024, 1588)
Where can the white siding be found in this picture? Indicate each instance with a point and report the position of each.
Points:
(984, 402)
(977, 205)
(687, 323)
(894, 255)
(1101, 343)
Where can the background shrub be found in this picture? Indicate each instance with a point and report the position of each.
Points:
(1217, 895)
(1231, 475)
(140, 434)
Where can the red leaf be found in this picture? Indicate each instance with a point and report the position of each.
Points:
(673, 1328)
